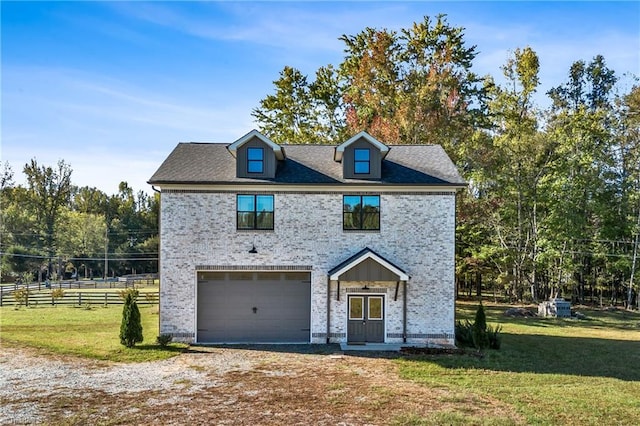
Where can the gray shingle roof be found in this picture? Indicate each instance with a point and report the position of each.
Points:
(212, 163)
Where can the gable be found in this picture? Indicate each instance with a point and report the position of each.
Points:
(340, 149)
(251, 136)
(255, 159)
(361, 157)
(367, 265)
(362, 160)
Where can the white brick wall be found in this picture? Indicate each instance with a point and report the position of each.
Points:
(417, 234)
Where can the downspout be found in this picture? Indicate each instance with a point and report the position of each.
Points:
(328, 307)
(404, 312)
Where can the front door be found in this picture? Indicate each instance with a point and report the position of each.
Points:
(366, 319)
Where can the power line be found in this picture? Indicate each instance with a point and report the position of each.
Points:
(30, 256)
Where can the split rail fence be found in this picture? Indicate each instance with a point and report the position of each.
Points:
(7, 298)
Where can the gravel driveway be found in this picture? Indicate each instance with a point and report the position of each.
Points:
(219, 385)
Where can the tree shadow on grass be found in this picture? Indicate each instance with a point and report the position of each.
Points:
(541, 354)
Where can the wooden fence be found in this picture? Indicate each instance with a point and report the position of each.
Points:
(72, 298)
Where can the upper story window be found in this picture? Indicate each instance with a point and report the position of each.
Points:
(361, 212)
(255, 160)
(362, 161)
(255, 212)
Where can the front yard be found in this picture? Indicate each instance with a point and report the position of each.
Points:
(64, 365)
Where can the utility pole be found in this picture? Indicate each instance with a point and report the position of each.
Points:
(106, 254)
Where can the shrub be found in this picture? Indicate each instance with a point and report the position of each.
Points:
(464, 334)
(480, 336)
(164, 339)
(21, 296)
(151, 297)
(495, 339)
(57, 293)
(131, 326)
(128, 291)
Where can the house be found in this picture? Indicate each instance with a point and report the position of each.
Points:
(261, 242)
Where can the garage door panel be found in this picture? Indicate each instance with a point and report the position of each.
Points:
(282, 308)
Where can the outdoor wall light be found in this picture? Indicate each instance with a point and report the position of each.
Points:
(253, 249)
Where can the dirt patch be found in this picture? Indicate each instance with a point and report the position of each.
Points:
(230, 386)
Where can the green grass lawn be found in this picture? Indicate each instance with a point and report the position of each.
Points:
(92, 333)
(551, 371)
(548, 371)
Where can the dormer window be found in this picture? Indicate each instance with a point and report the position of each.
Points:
(256, 156)
(361, 157)
(362, 161)
(255, 160)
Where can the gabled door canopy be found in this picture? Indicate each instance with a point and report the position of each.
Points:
(362, 256)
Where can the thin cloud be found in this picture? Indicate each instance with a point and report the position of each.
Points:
(286, 27)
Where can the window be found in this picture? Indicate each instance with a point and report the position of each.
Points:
(255, 160)
(361, 212)
(375, 307)
(362, 161)
(255, 212)
(356, 311)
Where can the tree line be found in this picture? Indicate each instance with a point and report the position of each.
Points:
(52, 229)
(553, 202)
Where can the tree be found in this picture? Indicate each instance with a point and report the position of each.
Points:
(629, 172)
(480, 336)
(288, 115)
(582, 184)
(81, 235)
(521, 159)
(412, 86)
(21, 260)
(131, 326)
(49, 189)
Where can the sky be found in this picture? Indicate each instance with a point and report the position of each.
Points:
(112, 87)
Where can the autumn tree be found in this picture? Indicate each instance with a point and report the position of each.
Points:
(412, 86)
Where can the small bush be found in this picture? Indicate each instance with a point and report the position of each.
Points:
(131, 326)
(128, 291)
(164, 339)
(21, 296)
(57, 293)
(478, 334)
(151, 297)
(480, 337)
(464, 334)
(495, 339)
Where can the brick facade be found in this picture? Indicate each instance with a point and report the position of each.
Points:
(417, 233)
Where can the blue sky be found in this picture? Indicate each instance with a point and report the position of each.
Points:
(112, 87)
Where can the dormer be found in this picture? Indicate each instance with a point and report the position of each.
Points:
(361, 157)
(256, 156)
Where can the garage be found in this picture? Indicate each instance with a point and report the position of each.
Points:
(253, 307)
